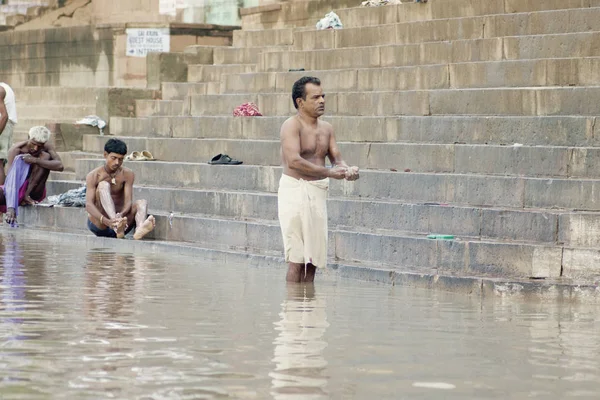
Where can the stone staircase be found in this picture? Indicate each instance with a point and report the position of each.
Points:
(468, 117)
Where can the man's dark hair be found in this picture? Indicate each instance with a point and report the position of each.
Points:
(299, 89)
(115, 146)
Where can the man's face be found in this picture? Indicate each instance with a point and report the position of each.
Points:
(314, 105)
(113, 161)
(35, 148)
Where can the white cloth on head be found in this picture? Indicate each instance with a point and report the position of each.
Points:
(302, 209)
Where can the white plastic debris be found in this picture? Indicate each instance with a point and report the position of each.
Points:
(93, 120)
(377, 3)
(517, 145)
(331, 21)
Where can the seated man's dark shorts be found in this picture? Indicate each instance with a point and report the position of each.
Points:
(108, 232)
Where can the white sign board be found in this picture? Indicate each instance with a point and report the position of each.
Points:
(167, 7)
(142, 41)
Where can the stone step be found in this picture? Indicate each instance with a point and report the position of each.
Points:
(459, 189)
(179, 90)
(534, 161)
(243, 55)
(290, 14)
(483, 27)
(212, 73)
(68, 158)
(504, 130)
(399, 251)
(464, 222)
(572, 45)
(514, 73)
(489, 101)
(63, 112)
(409, 12)
(260, 38)
(146, 108)
(61, 176)
(540, 226)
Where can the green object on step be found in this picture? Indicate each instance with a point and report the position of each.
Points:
(441, 237)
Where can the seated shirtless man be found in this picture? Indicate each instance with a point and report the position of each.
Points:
(109, 197)
(42, 158)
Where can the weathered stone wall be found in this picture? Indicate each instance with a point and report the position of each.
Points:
(84, 56)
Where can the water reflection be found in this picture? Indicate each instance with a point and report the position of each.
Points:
(299, 363)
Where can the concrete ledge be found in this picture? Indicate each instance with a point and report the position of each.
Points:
(561, 290)
(260, 9)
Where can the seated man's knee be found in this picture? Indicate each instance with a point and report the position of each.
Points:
(103, 185)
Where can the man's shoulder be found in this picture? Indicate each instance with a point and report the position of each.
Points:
(292, 121)
(94, 172)
(325, 125)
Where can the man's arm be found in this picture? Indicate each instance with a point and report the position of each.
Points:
(53, 163)
(335, 157)
(127, 193)
(90, 195)
(290, 146)
(3, 112)
(14, 151)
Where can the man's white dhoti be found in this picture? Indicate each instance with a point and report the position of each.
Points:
(302, 209)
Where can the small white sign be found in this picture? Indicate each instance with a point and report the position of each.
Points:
(167, 7)
(143, 41)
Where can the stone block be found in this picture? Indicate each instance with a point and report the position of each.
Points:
(332, 80)
(368, 16)
(579, 229)
(500, 259)
(219, 104)
(249, 83)
(398, 252)
(361, 57)
(477, 50)
(483, 102)
(568, 101)
(581, 264)
(554, 131)
(314, 40)
(539, 227)
(416, 157)
(574, 194)
(552, 46)
(259, 38)
(367, 36)
(383, 103)
(498, 74)
(517, 6)
(213, 73)
(503, 160)
(403, 78)
(584, 162)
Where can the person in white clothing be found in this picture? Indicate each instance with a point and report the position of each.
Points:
(8, 120)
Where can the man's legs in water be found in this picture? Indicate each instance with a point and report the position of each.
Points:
(297, 273)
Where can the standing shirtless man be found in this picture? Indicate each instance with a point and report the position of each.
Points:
(109, 197)
(302, 196)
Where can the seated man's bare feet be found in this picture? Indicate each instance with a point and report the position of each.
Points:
(28, 201)
(146, 228)
(120, 228)
(11, 217)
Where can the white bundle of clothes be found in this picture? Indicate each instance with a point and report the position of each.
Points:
(331, 21)
(377, 3)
